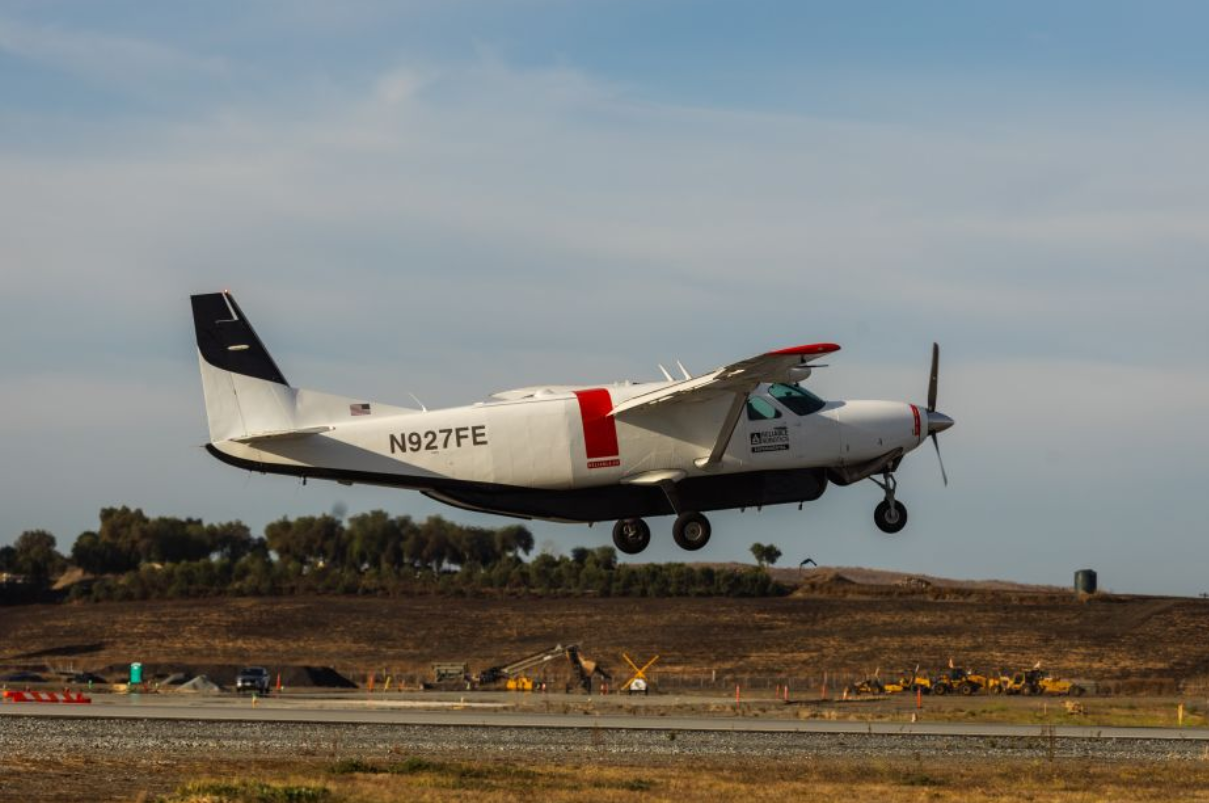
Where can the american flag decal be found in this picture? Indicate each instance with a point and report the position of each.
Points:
(358, 409)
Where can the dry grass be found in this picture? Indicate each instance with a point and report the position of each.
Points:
(891, 781)
(1111, 639)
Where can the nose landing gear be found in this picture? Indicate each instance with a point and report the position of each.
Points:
(890, 515)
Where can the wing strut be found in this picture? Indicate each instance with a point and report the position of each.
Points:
(724, 435)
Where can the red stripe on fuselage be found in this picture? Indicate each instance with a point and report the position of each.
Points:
(600, 429)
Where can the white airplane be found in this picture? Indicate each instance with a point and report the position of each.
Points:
(744, 435)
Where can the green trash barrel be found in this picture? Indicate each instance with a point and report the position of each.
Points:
(136, 673)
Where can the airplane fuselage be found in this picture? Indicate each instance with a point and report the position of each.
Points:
(515, 454)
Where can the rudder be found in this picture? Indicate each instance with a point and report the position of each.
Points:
(245, 391)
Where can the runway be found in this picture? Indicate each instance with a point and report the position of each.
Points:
(490, 715)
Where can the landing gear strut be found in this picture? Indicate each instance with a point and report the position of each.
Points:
(631, 536)
(890, 515)
(691, 531)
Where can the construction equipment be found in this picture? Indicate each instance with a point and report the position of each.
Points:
(1051, 685)
(449, 676)
(868, 686)
(1034, 681)
(520, 675)
(639, 674)
(910, 681)
(1026, 683)
(959, 680)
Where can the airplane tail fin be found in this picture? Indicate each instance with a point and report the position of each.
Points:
(247, 398)
(245, 391)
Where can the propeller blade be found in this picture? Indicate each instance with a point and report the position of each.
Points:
(944, 476)
(933, 378)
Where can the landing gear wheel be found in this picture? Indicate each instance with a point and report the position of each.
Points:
(890, 517)
(631, 536)
(691, 531)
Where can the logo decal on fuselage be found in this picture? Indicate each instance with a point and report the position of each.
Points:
(600, 429)
(770, 440)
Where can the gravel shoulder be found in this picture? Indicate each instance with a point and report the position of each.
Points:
(53, 759)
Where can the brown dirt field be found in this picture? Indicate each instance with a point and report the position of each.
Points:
(1165, 640)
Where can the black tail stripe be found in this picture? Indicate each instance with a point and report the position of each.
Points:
(231, 345)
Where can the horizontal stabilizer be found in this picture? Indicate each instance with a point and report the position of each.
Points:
(282, 434)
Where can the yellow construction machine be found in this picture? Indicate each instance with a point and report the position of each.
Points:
(1034, 681)
(909, 681)
(965, 681)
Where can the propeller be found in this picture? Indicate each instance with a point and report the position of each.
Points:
(937, 422)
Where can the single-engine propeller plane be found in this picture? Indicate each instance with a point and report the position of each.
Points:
(744, 435)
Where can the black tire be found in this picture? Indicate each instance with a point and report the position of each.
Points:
(691, 531)
(631, 536)
(890, 521)
(967, 689)
(939, 689)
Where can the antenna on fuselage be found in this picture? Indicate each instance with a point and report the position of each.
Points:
(666, 375)
(417, 398)
(683, 370)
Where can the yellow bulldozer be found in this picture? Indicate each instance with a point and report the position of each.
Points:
(956, 680)
(909, 681)
(1034, 681)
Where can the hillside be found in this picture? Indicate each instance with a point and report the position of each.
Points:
(801, 636)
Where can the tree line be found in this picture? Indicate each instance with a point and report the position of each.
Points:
(132, 556)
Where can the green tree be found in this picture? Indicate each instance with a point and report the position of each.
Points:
(765, 554)
(35, 556)
(8, 559)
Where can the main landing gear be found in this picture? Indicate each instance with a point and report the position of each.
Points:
(631, 536)
(691, 531)
(890, 515)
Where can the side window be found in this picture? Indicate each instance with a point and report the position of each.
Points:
(761, 410)
(800, 401)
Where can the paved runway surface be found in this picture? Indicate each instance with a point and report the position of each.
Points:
(353, 712)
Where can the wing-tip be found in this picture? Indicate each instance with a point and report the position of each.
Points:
(812, 348)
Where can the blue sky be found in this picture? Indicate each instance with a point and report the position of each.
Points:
(452, 198)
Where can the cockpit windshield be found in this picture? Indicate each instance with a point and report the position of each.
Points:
(797, 399)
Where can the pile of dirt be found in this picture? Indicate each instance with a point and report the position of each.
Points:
(320, 677)
(199, 685)
(173, 674)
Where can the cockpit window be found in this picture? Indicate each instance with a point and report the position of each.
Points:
(761, 409)
(800, 401)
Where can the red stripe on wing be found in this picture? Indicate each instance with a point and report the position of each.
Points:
(813, 348)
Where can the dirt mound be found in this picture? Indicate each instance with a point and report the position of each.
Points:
(174, 674)
(902, 580)
(199, 685)
(323, 677)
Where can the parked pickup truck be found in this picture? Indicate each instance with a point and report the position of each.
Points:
(253, 678)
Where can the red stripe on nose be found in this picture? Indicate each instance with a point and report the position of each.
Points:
(600, 429)
(915, 412)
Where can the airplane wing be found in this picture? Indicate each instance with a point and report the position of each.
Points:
(738, 379)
